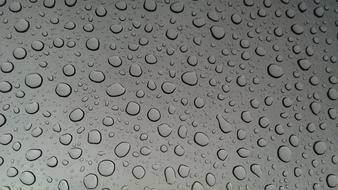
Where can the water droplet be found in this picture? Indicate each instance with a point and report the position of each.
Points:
(201, 139)
(210, 179)
(217, 32)
(284, 153)
(33, 80)
(106, 168)
(225, 126)
(76, 115)
(239, 172)
(97, 76)
(122, 149)
(3, 120)
(154, 115)
(5, 86)
(150, 5)
(63, 89)
(332, 180)
(170, 175)
(63, 184)
(27, 178)
(33, 154)
(138, 172)
(91, 181)
(320, 147)
(197, 186)
(189, 78)
(133, 108)
(94, 136)
(93, 44)
(115, 90)
(22, 25)
(275, 71)
(168, 87)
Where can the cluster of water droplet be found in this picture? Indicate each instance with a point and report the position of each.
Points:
(168, 94)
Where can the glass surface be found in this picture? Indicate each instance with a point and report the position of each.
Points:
(168, 94)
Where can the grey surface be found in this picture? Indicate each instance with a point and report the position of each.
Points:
(168, 94)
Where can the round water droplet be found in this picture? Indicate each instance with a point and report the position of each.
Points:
(70, 3)
(275, 71)
(106, 168)
(63, 89)
(108, 121)
(19, 53)
(239, 172)
(76, 115)
(332, 94)
(150, 5)
(49, 3)
(115, 61)
(69, 70)
(315, 108)
(201, 139)
(22, 25)
(122, 149)
(236, 18)
(37, 45)
(222, 154)
(75, 153)
(52, 161)
(297, 29)
(150, 59)
(135, 70)
(246, 116)
(66, 139)
(33, 154)
(32, 108)
(115, 90)
(97, 76)
(121, 5)
(171, 34)
(177, 7)
(319, 147)
(7, 67)
(33, 80)
(164, 130)
(90, 181)
(168, 87)
(12, 172)
(133, 108)
(93, 44)
(217, 32)
(189, 78)
(6, 138)
(210, 179)
(27, 178)
(332, 180)
(15, 6)
(5, 86)
(197, 186)
(116, 28)
(94, 136)
(154, 115)
(304, 64)
(284, 153)
(138, 172)
(63, 185)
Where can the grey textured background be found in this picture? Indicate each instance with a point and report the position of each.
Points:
(208, 94)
